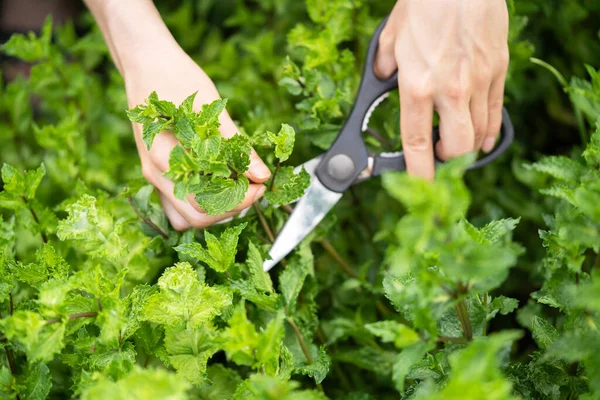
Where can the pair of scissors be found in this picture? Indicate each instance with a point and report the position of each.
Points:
(348, 162)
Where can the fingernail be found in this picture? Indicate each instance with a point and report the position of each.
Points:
(259, 193)
(488, 144)
(259, 169)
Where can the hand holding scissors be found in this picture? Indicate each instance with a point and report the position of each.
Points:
(348, 161)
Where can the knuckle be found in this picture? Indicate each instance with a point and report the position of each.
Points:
(419, 92)
(415, 142)
(504, 58)
(495, 105)
(483, 77)
(458, 92)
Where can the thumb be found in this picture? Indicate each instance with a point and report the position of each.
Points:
(257, 172)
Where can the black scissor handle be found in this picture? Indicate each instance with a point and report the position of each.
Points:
(341, 165)
(348, 156)
(396, 161)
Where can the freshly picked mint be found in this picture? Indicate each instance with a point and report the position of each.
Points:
(209, 165)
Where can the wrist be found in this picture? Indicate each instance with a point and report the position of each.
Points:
(134, 32)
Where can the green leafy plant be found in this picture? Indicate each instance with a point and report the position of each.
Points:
(476, 285)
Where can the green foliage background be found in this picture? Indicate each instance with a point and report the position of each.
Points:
(479, 285)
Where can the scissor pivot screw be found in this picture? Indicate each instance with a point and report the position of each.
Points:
(340, 167)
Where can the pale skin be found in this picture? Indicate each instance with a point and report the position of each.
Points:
(451, 57)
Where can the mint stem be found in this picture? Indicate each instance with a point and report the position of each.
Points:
(451, 339)
(485, 305)
(36, 219)
(463, 316)
(9, 357)
(264, 223)
(301, 340)
(380, 137)
(303, 344)
(346, 268)
(147, 220)
(337, 257)
(274, 175)
(88, 314)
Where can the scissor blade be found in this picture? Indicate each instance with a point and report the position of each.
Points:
(310, 210)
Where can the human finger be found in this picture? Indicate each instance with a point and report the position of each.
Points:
(495, 103)
(416, 115)
(479, 115)
(178, 222)
(456, 126)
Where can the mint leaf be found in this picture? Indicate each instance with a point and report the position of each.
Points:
(151, 129)
(319, 368)
(30, 47)
(219, 254)
(139, 384)
(40, 341)
(22, 184)
(82, 222)
(219, 195)
(405, 360)
(394, 332)
(240, 339)
(38, 382)
(283, 141)
(269, 345)
(189, 351)
(182, 300)
(288, 186)
(260, 278)
(237, 153)
(543, 332)
(292, 278)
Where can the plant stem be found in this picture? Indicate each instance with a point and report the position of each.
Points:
(9, 356)
(303, 345)
(88, 314)
(301, 340)
(382, 308)
(446, 339)
(275, 174)
(148, 221)
(346, 268)
(336, 256)
(35, 218)
(380, 137)
(11, 304)
(485, 304)
(463, 316)
(264, 223)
